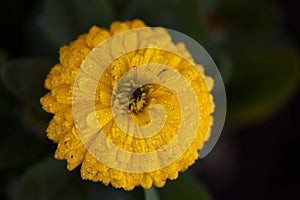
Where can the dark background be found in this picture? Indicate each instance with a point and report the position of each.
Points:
(257, 156)
(261, 161)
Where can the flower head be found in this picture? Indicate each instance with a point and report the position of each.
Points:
(134, 106)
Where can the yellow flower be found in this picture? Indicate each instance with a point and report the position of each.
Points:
(119, 94)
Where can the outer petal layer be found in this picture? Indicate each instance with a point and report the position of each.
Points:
(58, 101)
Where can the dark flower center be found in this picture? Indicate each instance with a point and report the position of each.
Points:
(137, 100)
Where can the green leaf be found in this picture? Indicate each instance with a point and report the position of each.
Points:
(265, 77)
(60, 21)
(262, 71)
(5, 97)
(100, 191)
(183, 16)
(94, 12)
(19, 149)
(3, 56)
(24, 77)
(151, 194)
(49, 179)
(35, 117)
(185, 187)
(53, 23)
(64, 20)
(37, 42)
(249, 17)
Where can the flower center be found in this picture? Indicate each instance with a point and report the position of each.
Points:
(137, 100)
(130, 97)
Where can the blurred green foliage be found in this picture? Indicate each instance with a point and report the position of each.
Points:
(259, 66)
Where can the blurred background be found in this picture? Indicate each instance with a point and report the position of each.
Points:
(255, 44)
